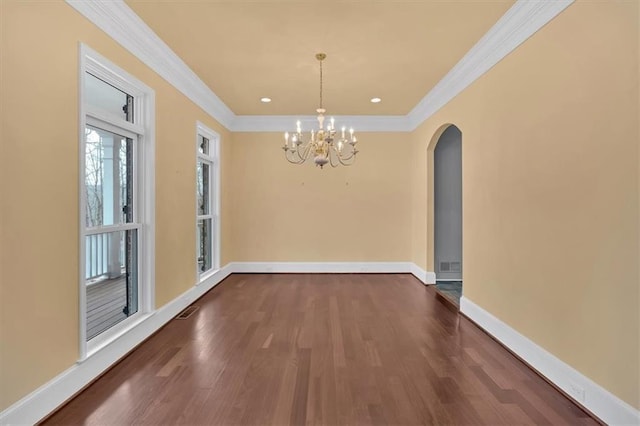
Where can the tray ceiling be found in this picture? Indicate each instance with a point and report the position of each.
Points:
(394, 50)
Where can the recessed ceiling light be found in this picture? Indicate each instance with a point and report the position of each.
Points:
(375, 100)
(265, 100)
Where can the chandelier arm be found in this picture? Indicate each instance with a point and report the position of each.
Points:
(292, 160)
(297, 154)
(347, 161)
(339, 158)
(347, 157)
(301, 158)
(305, 152)
(333, 152)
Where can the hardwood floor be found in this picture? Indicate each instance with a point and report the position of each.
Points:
(320, 349)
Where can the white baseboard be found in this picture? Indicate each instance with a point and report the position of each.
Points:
(426, 277)
(592, 396)
(41, 402)
(335, 268)
(320, 267)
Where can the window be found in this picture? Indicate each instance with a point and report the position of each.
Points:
(207, 201)
(116, 200)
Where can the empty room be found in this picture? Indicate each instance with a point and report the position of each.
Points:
(272, 212)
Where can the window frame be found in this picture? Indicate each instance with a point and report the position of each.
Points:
(143, 129)
(213, 160)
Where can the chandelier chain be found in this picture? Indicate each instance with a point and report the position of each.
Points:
(320, 83)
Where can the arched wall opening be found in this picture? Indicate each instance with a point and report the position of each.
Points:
(444, 158)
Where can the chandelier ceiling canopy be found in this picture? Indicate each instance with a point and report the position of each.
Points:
(325, 145)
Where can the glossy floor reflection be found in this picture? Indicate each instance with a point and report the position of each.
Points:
(325, 349)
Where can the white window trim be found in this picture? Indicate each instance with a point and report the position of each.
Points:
(144, 129)
(213, 158)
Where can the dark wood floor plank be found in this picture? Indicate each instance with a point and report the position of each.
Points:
(313, 349)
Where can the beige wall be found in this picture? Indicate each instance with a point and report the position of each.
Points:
(550, 191)
(39, 176)
(301, 213)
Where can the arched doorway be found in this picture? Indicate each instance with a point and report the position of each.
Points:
(447, 211)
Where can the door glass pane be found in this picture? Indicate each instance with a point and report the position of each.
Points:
(204, 245)
(203, 174)
(107, 99)
(108, 178)
(111, 277)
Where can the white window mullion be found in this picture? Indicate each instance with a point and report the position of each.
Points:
(111, 228)
(94, 115)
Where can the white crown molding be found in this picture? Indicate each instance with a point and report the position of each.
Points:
(284, 123)
(608, 407)
(120, 22)
(519, 23)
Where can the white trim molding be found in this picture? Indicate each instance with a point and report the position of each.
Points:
(426, 277)
(122, 24)
(44, 400)
(286, 123)
(520, 22)
(335, 268)
(583, 390)
(321, 267)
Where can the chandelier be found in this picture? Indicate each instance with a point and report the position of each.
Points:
(322, 145)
